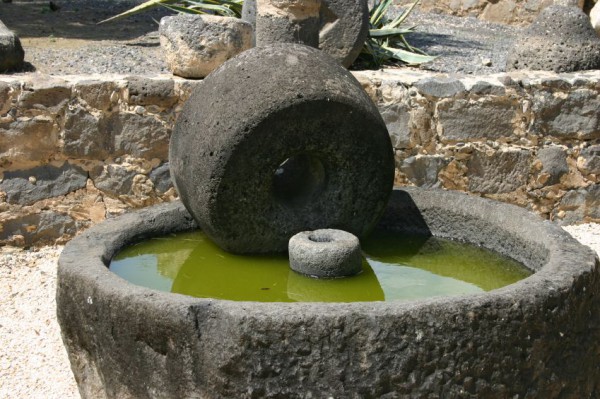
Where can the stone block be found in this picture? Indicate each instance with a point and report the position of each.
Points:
(467, 120)
(397, 120)
(195, 45)
(554, 163)
(423, 170)
(97, 94)
(5, 98)
(485, 88)
(28, 140)
(501, 172)
(140, 136)
(440, 87)
(115, 180)
(590, 160)
(567, 116)
(287, 21)
(39, 228)
(25, 187)
(146, 91)
(44, 92)
(85, 137)
(11, 51)
(161, 178)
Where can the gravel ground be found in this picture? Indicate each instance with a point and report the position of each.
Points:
(33, 361)
(69, 41)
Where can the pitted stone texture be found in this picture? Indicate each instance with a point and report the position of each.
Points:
(161, 178)
(287, 21)
(554, 163)
(28, 186)
(561, 39)
(325, 253)
(195, 45)
(39, 228)
(590, 160)
(302, 106)
(535, 338)
(343, 27)
(501, 172)
(423, 170)
(11, 51)
(145, 91)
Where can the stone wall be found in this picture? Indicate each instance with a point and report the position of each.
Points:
(78, 149)
(514, 12)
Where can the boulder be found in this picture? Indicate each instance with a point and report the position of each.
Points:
(11, 51)
(561, 39)
(195, 45)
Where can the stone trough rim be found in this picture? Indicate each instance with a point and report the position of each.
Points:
(566, 257)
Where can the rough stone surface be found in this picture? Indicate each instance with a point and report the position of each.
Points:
(195, 45)
(39, 228)
(145, 91)
(304, 108)
(590, 158)
(397, 121)
(539, 337)
(444, 87)
(97, 94)
(139, 136)
(501, 172)
(595, 17)
(161, 178)
(554, 163)
(325, 253)
(561, 39)
(423, 170)
(27, 140)
(11, 51)
(84, 135)
(343, 27)
(28, 186)
(287, 21)
(115, 180)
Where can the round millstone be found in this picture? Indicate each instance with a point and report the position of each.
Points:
(561, 39)
(281, 139)
(325, 253)
(287, 21)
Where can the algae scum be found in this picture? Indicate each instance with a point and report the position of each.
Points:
(395, 267)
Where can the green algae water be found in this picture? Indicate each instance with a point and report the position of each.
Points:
(395, 267)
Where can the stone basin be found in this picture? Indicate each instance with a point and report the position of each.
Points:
(538, 338)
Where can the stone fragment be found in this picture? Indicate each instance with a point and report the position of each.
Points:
(590, 157)
(554, 163)
(287, 21)
(161, 178)
(484, 88)
(397, 120)
(466, 120)
(582, 204)
(11, 51)
(43, 92)
(195, 45)
(325, 253)
(423, 170)
(115, 180)
(500, 172)
(343, 27)
(440, 87)
(315, 154)
(24, 187)
(137, 135)
(39, 228)
(97, 94)
(84, 136)
(28, 140)
(146, 91)
(561, 39)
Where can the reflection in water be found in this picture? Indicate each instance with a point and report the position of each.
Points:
(396, 267)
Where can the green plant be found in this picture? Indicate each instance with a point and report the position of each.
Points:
(386, 42)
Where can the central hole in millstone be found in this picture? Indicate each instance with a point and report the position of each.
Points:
(319, 238)
(298, 179)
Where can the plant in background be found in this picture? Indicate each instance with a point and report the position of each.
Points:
(385, 44)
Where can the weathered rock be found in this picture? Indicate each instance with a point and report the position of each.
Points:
(11, 51)
(115, 180)
(501, 172)
(195, 45)
(554, 163)
(96, 93)
(423, 170)
(85, 136)
(397, 121)
(582, 204)
(138, 136)
(561, 39)
(40, 228)
(25, 187)
(343, 27)
(44, 92)
(590, 157)
(467, 120)
(325, 253)
(146, 91)
(440, 87)
(287, 21)
(161, 178)
(28, 140)
(309, 150)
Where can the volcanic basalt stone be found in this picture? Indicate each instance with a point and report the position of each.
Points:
(325, 253)
(305, 150)
(287, 21)
(11, 51)
(343, 27)
(561, 39)
(537, 338)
